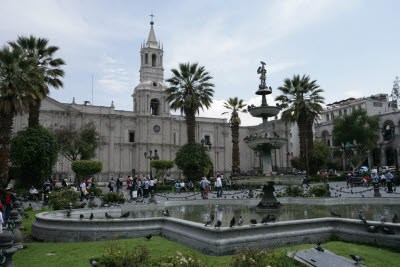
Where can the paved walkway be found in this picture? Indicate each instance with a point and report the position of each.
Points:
(338, 189)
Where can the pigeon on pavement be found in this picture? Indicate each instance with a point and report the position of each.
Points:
(319, 247)
(108, 216)
(91, 216)
(334, 213)
(362, 217)
(81, 216)
(218, 224)
(266, 218)
(395, 218)
(165, 212)
(126, 214)
(253, 221)
(210, 222)
(357, 258)
(240, 222)
(233, 221)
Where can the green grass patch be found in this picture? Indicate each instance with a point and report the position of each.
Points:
(78, 254)
(27, 222)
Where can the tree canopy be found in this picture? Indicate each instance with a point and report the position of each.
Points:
(190, 90)
(78, 143)
(161, 167)
(31, 152)
(191, 159)
(356, 132)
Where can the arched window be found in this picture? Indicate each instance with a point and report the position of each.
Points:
(155, 107)
(153, 60)
(327, 117)
(146, 59)
(340, 113)
(345, 111)
(332, 116)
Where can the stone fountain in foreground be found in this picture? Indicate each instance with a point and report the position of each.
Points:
(265, 142)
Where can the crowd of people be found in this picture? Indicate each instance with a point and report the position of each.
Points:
(383, 179)
(137, 186)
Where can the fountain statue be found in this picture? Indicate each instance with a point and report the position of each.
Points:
(264, 143)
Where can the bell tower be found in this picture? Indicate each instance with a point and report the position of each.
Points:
(149, 97)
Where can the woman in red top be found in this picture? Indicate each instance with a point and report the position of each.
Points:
(7, 199)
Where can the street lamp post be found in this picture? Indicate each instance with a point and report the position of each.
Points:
(150, 157)
(388, 134)
(204, 144)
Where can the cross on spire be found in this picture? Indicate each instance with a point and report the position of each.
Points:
(152, 16)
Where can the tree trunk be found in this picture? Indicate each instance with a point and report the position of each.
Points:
(235, 148)
(34, 111)
(191, 125)
(301, 123)
(6, 123)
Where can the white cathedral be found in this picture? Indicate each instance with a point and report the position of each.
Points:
(127, 135)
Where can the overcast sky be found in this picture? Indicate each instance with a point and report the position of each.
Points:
(350, 47)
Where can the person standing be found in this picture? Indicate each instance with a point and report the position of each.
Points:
(7, 200)
(132, 187)
(218, 185)
(203, 185)
(119, 184)
(139, 187)
(111, 184)
(146, 187)
(228, 184)
(325, 177)
(151, 184)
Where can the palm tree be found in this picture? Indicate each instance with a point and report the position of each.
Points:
(302, 100)
(18, 77)
(190, 90)
(43, 56)
(235, 105)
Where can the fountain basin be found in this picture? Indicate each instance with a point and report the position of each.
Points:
(266, 143)
(54, 227)
(264, 111)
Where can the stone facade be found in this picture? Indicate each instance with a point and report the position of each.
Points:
(126, 135)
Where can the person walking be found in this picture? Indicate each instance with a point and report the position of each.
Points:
(139, 187)
(304, 182)
(111, 184)
(203, 186)
(218, 185)
(325, 177)
(146, 187)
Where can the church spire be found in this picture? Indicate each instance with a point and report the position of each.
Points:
(151, 40)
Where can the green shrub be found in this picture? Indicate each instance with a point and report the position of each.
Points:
(293, 191)
(164, 188)
(113, 198)
(319, 191)
(180, 259)
(59, 200)
(97, 191)
(116, 254)
(255, 257)
(86, 168)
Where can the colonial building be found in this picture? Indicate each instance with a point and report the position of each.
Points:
(127, 135)
(389, 134)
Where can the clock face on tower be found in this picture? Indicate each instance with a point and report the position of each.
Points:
(156, 128)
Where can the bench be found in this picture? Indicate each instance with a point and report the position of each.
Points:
(356, 181)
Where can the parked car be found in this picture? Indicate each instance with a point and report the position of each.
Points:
(386, 169)
(363, 169)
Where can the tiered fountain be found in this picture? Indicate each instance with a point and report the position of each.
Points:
(263, 144)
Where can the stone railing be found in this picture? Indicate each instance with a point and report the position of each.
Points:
(53, 227)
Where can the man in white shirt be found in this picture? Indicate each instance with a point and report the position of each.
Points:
(218, 185)
(182, 186)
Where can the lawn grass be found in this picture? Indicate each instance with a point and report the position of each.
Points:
(78, 254)
(27, 222)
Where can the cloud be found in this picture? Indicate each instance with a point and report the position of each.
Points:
(217, 108)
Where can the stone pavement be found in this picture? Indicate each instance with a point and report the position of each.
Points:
(338, 190)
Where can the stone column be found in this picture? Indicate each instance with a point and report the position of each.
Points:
(383, 157)
(267, 162)
(7, 249)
